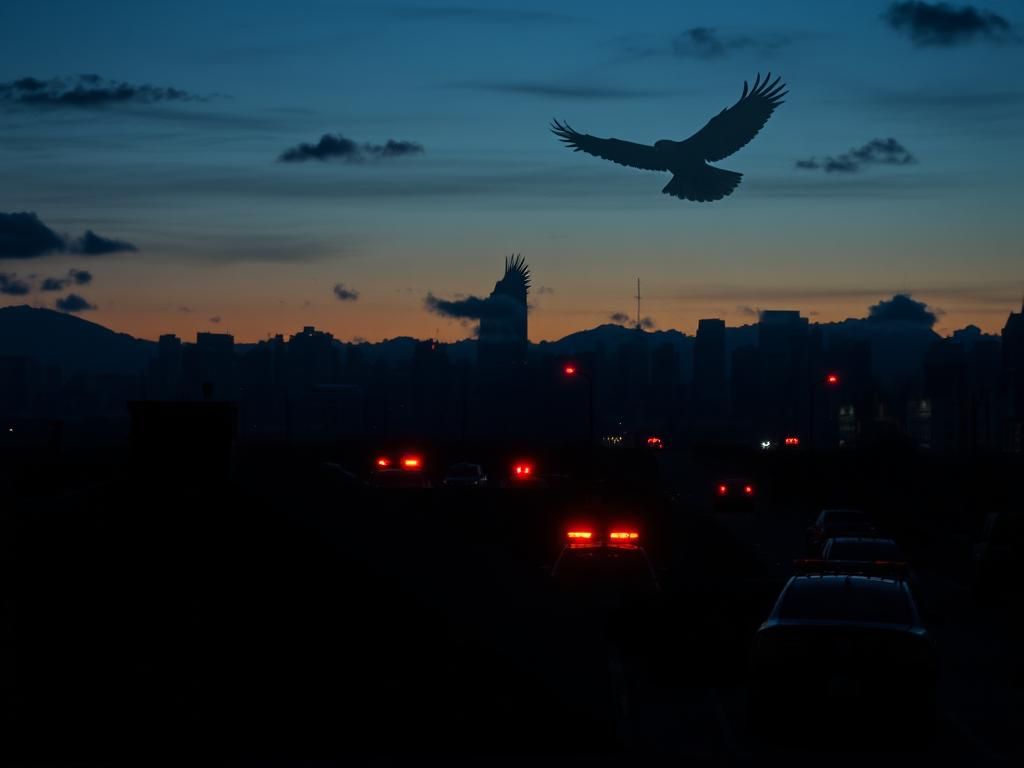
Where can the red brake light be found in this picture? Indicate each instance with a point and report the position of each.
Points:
(383, 462)
(570, 370)
(832, 378)
(723, 490)
(792, 441)
(748, 489)
(580, 534)
(411, 462)
(623, 535)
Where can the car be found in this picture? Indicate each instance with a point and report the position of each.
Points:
(839, 648)
(604, 560)
(832, 523)
(734, 494)
(405, 471)
(862, 549)
(464, 475)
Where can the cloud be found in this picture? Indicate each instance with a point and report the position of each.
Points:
(86, 91)
(24, 236)
(469, 13)
(74, 276)
(215, 319)
(345, 294)
(749, 311)
(942, 25)
(80, 276)
(562, 91)
(73, 303)
(331, 146)
(621, 318)
(875, 152)
(708, 43)
(903, 309)
(91, 244)
(473, 307)
(545, 289)
(10, 285)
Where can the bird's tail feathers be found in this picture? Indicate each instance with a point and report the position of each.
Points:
(707, 184)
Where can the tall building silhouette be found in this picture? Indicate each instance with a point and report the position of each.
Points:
(710, 395)
(783, 376)
(1012, 381)
(503, 330)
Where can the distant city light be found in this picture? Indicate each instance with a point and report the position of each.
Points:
(570, 370)
(655, 442)
(766, 444)
(832, 379)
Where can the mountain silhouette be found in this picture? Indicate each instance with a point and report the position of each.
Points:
(76, 345)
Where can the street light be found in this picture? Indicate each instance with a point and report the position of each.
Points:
(571, 370)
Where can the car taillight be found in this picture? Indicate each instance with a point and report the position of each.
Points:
(383, 462)
(580, 534)
(748, 489)
(723, 490)
(411, 462)
(623, 535)
(523, 470)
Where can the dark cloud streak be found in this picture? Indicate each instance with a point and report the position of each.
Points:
(338, 147)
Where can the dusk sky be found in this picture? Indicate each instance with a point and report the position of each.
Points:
(186, 159)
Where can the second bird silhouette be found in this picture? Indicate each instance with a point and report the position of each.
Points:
(687, 160)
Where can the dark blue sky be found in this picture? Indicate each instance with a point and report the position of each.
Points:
(191, 177)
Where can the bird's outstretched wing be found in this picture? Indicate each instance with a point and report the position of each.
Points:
(734, 126)
(616, 150)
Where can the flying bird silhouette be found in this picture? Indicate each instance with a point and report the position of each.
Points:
(687, 160)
